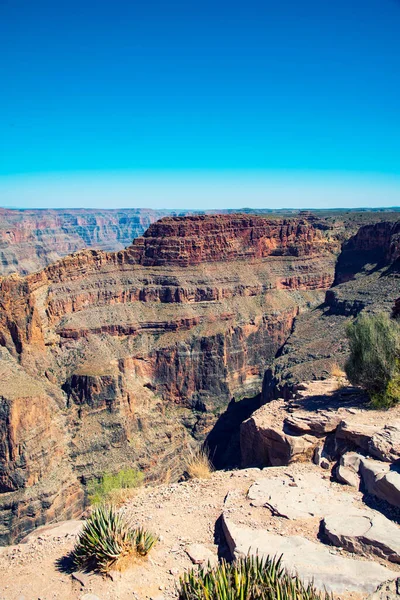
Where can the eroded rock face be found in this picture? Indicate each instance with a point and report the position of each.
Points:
(141, 349)
(263, 442)
(367, 277)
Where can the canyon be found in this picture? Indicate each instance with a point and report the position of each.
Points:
(32, 239)
(129, 358)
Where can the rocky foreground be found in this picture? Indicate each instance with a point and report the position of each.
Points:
(325, 496)
(229, 513)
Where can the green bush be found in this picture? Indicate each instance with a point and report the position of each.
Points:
(250, 578)
(107, 541)
(374, 361)
(113, 488)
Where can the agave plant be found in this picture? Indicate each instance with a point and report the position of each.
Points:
(144, 541)
(107, 538)
(250, 578)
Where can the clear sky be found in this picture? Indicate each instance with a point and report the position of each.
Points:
(199, 104)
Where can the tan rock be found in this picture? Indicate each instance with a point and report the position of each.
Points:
(385, 444)
(265, 444)
(316, 424)
(364, 532)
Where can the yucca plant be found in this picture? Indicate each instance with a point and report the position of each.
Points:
(107, 540)
(250, 578)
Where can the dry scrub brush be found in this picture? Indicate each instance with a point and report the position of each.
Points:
(198, 464)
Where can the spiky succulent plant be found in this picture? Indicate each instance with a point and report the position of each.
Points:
(250, 578)
(107, 538)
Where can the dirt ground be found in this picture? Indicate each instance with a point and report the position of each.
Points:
(180, 514)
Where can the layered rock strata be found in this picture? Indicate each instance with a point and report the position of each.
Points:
(367, 278)
(32, 239)
(140, 350)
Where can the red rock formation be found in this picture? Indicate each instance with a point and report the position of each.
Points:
(143, 346)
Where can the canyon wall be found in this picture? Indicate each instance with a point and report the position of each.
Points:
(121, 359)
(32, 239)
(367, 278)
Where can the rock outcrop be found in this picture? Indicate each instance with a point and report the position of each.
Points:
(336, 431)
(141, 349)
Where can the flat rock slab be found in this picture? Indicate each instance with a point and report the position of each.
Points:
(304, 497)
(364, 532)
(309, 560)
(315, 423)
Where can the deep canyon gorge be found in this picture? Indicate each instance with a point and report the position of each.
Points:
(125, 358)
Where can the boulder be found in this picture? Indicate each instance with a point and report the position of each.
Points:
(347, 476)
(311, 561)
(319, 423)
(385, 444)
(364, 532)
(380, 480)
(348, 468)
(262, 442)
(199, 554)
(355, 434)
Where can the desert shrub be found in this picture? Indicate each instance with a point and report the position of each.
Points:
(114, 488)
(250, 578)
(108, 542)
(198, 464)
(374, 361)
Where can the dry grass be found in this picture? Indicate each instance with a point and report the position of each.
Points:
(336, 371)
(167, 477)
(119, 497)
(199, 465)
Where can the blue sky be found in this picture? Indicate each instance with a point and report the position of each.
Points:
(199, 104)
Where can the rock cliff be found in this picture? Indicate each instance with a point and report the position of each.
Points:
(121, 358)
(367, 278)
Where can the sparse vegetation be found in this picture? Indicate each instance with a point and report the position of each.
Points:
(198, 464)
(108, 542)
(114, 488)
(250, 578)
(337, 372)
(374, 362)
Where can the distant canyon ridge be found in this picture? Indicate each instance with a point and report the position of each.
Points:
(31, 239)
